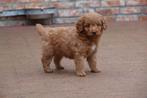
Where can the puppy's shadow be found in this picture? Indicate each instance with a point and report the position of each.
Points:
(64, 72)
(68, 73)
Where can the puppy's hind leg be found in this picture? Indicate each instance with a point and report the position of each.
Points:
(57, 60)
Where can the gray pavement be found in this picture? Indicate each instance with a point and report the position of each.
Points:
(122, 58)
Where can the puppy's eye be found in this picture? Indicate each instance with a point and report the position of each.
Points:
(99, 24)
(87, 25)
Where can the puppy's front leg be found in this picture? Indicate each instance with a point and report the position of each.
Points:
(79, 62)
(92, 63)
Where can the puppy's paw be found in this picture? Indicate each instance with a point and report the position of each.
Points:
(48, 70)
(81, 73)
(95, 71)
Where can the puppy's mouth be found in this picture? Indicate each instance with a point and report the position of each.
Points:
(92, 34)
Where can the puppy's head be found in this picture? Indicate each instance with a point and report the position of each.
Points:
(91, 25)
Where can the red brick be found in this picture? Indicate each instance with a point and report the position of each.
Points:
(1, 8)
(70, 12)
(52, 0)
(20, 6)
(88, 3)
(130, 10)
(113, 3)
(136, 2)
(108, 11)
(143, 18)
(105, 12)
(36, 5)
(110, 18)
(127, 18)
(144, 10)
(62, 4)
(8, 1)
(35, 1)
(23, 0)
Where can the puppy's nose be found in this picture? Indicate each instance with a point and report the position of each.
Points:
(94, 33)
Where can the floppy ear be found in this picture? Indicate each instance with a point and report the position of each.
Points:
(104, 26)
(80, 25)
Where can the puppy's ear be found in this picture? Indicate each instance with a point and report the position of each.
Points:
(104, 25)
(80, 25)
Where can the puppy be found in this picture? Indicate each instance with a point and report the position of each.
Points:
(77, 43)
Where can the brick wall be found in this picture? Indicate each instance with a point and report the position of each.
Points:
(67, 11)
(117, 10)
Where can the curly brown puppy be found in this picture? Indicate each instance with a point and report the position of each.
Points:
(78, 43)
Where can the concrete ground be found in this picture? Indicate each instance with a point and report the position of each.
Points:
(122, 58)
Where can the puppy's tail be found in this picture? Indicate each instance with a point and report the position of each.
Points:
(42, 31)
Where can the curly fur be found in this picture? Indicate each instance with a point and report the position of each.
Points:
(78, 43)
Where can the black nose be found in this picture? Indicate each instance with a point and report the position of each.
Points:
(94, 33)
